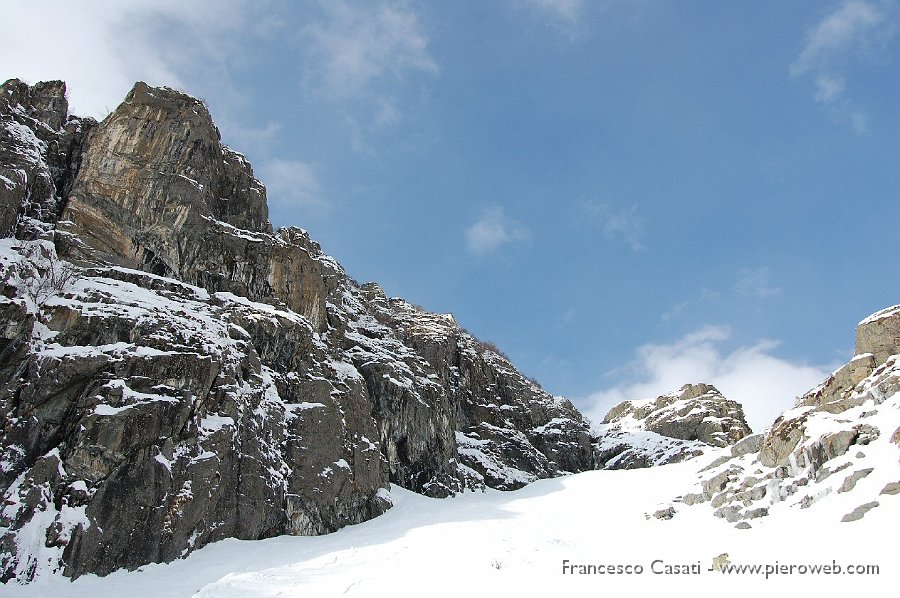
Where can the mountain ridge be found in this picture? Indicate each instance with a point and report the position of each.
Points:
(208, 375)
(198, 375)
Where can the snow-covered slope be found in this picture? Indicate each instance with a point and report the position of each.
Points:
(518, 543)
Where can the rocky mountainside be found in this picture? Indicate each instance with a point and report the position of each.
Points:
(670, 428)
(837, 449)
(173, 371)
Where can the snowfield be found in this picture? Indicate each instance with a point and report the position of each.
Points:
(516, 543)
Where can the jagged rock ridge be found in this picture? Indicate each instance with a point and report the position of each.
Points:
(40, 153)
(670, 428)
(205, 376)
(839, 446)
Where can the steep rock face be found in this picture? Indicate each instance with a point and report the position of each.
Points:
(40, 152)
(509, 431)
(203, 376)
(834, 446)
(412, 411)
(670, 428)
(152, 417)
(157, 191)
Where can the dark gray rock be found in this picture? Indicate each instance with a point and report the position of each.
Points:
(40, 152)
(178, 419)
(494, 427)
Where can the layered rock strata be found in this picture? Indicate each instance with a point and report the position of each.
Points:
(203, 376)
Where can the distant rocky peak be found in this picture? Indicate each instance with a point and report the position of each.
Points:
(694, 412)
(157, 191)
(165, 152)
(44, 101)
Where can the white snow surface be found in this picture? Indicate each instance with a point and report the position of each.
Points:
(514, 544)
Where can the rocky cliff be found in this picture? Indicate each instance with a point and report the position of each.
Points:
(173, 371)
(40, 153)
(837, 449)
(670, 428)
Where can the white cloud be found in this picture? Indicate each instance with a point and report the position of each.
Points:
(563, 10)
(755, 284)
(357, 45)
(256, 139)
(101, 47)
(493, 230)
(829, 88)
(839, 33)
(361, 55)
(855, 28)
(763, 383)
(623, 223)
(291, 184)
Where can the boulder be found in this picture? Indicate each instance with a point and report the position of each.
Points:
(859, 512)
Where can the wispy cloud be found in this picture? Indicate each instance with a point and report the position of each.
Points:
(675, 312)
(248, 138)
(564, 10)
(855, 28)
(617, 223)
(829, 88)
(355, 46)
(362, 55)
(291, 184)
(118, 44)
(755, 283)
(493, 230)
(383, 114)
(841, 32)
(763, 383)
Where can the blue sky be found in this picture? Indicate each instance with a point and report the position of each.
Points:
(624, 196)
